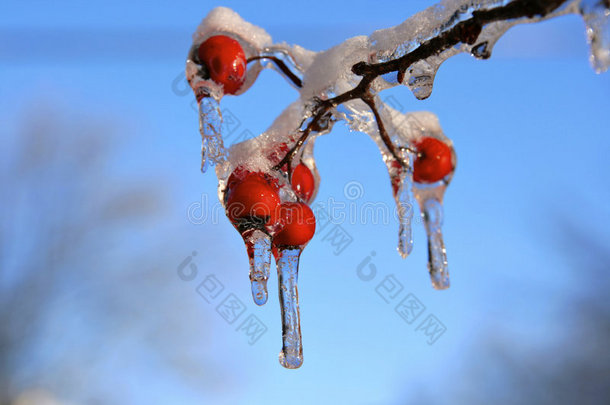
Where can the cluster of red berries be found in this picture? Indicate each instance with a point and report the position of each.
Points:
(252, 198)
(252, 201)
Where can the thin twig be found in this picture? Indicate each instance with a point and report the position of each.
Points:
(370, 101)
(282, 66)
(321, 111)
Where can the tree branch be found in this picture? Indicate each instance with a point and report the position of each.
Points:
(466, 32)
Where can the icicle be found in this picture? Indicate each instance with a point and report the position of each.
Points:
(258, 244)
(405, 217)
(291, 355)
(210, 121)
(597, 18)
(432, 213)
(402, 187)
(205, 161)
(481, 50)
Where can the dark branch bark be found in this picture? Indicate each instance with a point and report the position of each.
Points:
(466, 32)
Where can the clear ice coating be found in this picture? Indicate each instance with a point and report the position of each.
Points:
(421, 79)
(210, 123)
(322, 77)
(291, 355)
(258, 244)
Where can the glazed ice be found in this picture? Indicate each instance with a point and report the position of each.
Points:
(273, 177)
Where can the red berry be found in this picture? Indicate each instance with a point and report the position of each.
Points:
(434, 160)
(239, 174)
(225, 60)
(299, 225)
(303, 182)
(252, 201)
(236, 176)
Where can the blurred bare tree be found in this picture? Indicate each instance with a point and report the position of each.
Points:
(570, 367)
(82, 302)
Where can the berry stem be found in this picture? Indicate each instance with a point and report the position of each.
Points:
(383, 133)
(320, 112)
(282, 66)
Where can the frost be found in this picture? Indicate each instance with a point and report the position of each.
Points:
(331, 69)
(225, 20)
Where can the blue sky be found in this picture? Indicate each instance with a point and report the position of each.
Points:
(530, 130)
